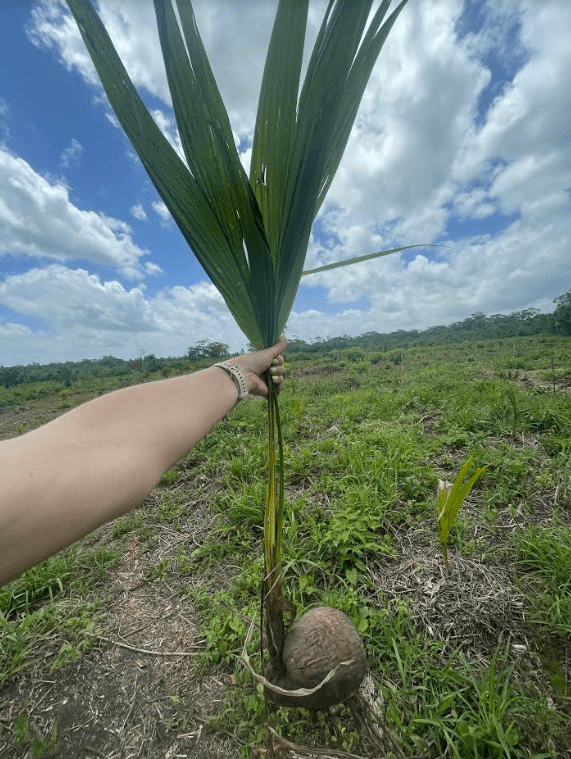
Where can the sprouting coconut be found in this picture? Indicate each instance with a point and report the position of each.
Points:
(251, 234)
(320, 641)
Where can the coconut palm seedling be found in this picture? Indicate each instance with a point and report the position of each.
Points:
(450, 499)
(250, 234)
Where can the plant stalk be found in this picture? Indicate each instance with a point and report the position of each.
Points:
(273, 601)
(445, 556)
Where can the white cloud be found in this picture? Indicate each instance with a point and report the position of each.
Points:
(39, 220)
(88, 317)
(138, 212)
(530, 117)
(112, 119)
(162, 211)
(513, 270)
(61, 296)
(246, 159)
(133, 31)
(473, 204)
(71, 155)
(167, 125)
(132, 27)
(152, 268)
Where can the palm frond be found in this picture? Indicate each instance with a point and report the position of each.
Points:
(250, 236)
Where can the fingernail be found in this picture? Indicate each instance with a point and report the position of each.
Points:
(273, 370)
(275, 362)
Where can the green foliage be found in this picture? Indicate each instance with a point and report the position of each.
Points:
(127, 523)
(38, 584)
(168, 477)
(67, 375)
(450, 499)
(204, 349)
(562, 314)
(78, 631)
(352, 532)
(545, 556)
(513, 408)
(10, 376)
(26, 734)
(173, 506)
(478, 717)
(361, 470)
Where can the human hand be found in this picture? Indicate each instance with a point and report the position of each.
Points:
(253, 365)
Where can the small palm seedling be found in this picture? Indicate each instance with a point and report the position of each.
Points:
(514, 409)
(450, 499)
(251, 234)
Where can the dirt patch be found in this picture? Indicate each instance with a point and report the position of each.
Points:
(112, 704)
(474, 608)
(135, 693)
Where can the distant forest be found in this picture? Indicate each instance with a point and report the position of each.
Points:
(478, 326)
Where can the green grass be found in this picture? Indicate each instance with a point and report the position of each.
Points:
(544, 555)
(364, 449)
(50, 610)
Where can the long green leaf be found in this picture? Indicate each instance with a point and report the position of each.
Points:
(262, 277)
(358, 259)
(179, 189)
(209, 146)
(357, 81)
(450, 503)
(318, 113)
(274, 135)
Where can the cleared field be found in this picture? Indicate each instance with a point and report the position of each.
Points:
(130, 643)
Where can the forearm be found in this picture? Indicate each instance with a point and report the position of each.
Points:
(98, 461)
(157, 422)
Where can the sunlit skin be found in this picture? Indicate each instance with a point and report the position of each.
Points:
(103, 458)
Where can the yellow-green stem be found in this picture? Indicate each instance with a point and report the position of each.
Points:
(445, 555)
(273, 601)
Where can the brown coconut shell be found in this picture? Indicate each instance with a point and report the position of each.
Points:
(316, 643)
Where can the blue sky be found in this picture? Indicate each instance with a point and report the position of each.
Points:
(462, 139)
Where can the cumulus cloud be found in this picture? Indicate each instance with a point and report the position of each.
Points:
(162, 211)
(138, 212)
(133, 30)
(512, 270)
(86, 316)
(62, 295)
(71, 155)
(473, 204)
(39, 220)
(152, 268)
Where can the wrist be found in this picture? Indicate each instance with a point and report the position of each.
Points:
(236, 375)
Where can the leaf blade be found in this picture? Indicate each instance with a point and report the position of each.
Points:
(206, 135)
(359, 259)
(175, 184)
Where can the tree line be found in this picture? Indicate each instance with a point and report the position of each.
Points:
(477, 326)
